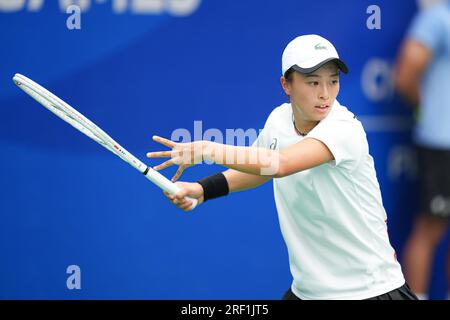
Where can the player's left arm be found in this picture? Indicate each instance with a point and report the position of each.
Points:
(306, 154)
(303, 155)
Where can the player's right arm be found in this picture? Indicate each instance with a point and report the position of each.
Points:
(237, 181)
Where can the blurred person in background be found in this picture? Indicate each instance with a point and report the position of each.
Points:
(422, 76)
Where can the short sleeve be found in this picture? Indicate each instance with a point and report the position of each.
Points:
(427, 28)
(343, 138)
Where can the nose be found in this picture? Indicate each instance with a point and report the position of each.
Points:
(323, 93)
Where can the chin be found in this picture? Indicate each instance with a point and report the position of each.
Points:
(320, 117)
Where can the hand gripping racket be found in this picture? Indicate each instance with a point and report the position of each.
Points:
(80, 122)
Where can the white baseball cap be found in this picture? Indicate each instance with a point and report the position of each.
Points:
(308, 53)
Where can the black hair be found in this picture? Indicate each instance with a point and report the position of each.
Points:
(288, 75)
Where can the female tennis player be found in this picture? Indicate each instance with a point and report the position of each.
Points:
(325, 186)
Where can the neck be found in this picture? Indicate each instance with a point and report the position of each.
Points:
(302, 125)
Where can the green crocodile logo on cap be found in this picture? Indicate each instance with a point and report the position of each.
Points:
(319, 46)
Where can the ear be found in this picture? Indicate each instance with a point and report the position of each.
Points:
(286, 85)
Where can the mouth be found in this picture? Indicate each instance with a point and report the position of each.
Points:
(322, 107)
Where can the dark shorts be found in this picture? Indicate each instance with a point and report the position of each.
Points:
(402, 293)
(434, 182)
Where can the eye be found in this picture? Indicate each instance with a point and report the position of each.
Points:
(313, 83)
(334, 82)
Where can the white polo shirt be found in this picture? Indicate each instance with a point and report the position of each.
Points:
(332, 216)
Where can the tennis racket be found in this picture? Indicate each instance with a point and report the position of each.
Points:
(83, 124)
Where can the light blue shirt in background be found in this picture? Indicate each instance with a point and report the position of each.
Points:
(431, 27)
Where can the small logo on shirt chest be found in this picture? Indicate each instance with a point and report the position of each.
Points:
(274, 144)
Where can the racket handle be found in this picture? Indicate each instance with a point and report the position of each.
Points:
(165, 184)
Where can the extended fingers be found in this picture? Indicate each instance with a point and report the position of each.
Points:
(164, 165)
(159, 154)
(164, 141)
(178, 173)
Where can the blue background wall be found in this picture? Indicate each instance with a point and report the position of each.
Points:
(66, 201)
